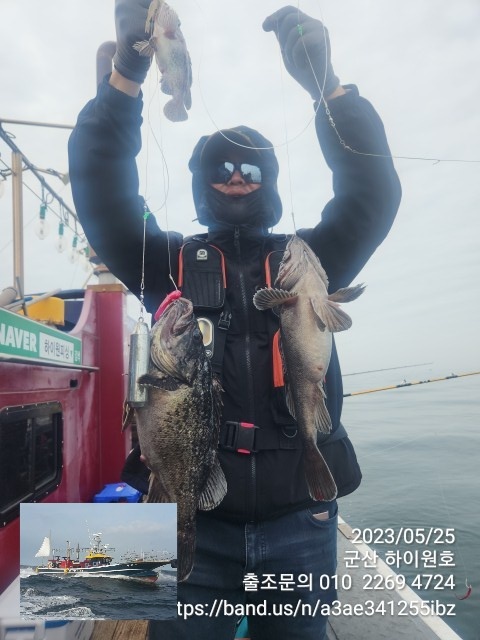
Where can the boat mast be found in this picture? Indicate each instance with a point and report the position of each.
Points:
(17, 205)
(18, 160)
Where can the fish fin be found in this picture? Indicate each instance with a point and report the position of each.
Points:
(347, 294)
(168, 383)
(156, 491)
(330, 316)
(186, 551)
(169, 20)
(128, 415)
(175, 111)
(288, 390)
(268, 298)
(215, 488)
(217, 391)
(322, 419)
(321, 484)
(289, 399)
(165, 86)
(144, 48)
(151, 15)
(321, 324)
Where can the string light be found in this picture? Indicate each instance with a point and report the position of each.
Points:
(74, 256)
(61, 243)
(42, 228)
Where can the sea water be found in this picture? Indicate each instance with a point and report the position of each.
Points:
(419, 450)
(111, 597)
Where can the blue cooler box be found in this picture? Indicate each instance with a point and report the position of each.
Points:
(118, 492)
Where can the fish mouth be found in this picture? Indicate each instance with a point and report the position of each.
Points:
(170, 338)
(177, 316)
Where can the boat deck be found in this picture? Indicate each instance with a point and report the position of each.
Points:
(120, 630)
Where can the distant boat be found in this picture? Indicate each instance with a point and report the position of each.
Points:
(98, 563)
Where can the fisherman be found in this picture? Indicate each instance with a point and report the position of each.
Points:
(267, 531)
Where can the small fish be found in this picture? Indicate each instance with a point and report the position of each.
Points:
(168, 45)
(178, 427)
(308, 316)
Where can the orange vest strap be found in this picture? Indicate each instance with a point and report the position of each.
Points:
(278, 380)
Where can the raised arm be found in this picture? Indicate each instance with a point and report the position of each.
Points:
(366, 186)
(103, 171)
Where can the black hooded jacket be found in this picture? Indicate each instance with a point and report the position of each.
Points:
(103, 173)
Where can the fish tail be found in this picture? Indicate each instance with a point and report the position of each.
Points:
(186, 550)
(175, 111)
(321, 484)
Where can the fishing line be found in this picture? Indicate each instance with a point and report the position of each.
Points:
(211, 117)
(166, 183)
(151, 131)
(165, 177)
(333, 125)
(405, 366)
(328, 113)
(287, 146)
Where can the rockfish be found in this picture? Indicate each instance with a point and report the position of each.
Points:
(178, 428)
(308, 316)
(168, 45)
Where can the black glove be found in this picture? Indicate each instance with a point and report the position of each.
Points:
(305, 48)
(130, 19)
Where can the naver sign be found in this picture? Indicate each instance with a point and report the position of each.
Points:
(25, 338)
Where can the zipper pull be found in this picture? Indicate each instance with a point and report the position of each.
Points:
(236, 238)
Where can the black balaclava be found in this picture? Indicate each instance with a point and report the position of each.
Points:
(260, 208)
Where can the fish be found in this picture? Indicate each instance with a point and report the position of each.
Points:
(168, 45)
(308, 317)
(178, 427)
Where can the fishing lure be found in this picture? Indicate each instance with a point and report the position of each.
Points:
(174, 295)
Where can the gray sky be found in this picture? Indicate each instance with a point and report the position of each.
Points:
(416, 62)
(125, 527)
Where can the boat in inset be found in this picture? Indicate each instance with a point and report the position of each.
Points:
(98, 562)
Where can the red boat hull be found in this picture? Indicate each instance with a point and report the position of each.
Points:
(91, 398)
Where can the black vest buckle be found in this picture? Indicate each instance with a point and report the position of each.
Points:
(224, 320)
(239, 437)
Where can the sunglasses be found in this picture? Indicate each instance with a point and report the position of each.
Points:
(223, 171)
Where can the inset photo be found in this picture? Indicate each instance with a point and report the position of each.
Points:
(96, 561)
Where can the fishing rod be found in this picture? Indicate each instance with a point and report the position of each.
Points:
(411, 384)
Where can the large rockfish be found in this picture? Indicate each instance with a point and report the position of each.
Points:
(178, 428)
(308, 316)
(168, 45)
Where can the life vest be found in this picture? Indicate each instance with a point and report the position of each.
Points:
(203, 279)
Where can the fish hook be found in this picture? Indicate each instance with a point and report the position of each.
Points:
(468, 592)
